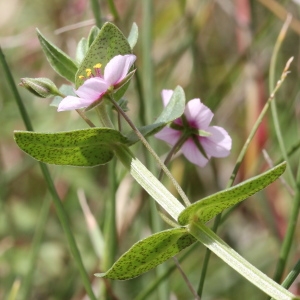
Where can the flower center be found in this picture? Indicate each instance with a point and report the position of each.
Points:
(96, 72)
(188, 129)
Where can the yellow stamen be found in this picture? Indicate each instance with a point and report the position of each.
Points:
(97, 66)
(88, 72)
(81, 77)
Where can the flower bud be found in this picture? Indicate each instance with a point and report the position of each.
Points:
(41, 87)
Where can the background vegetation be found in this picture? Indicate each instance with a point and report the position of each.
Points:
(218, 51)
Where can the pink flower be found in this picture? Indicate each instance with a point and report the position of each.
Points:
(198, 138)
(94, 88)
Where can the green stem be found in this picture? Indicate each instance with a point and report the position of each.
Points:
(292, 276)
(237, 262)
(288, 238)
(152, 286)
(273, 104)
(83, 116)
(113, 10)
(56, 200)
(153, 153)
(173, 150)
(147, 60)
(103, 115)
(149, 182)
(110, 229)
(142, 110)
(241, 157)
(238, 164)
(290, 152)
(36, 245)
(97, 12)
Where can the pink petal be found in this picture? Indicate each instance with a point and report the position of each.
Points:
(168, 135)
(117, 68)
(166, 96)
(92, 89)
(218, 144)
(71, 102)
(198, 115)
(192, 153)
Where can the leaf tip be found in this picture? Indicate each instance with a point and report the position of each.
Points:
(101, 275)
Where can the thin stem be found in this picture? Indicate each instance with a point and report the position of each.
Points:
(292, 276)
(103, 115)
(288, 238)
(237, 262)
(152, 286)
(238, 164)
(97, 12)
(15, 92)
(138, 85)
(173, 150)
(113, 10)
(35, 248)
(290, 152)
(149, 182)
(84, 117)
(147, 71)
(271, 165)
(153, 153)
(56, 200)
(188, 283)
(110, 226)
(273, 104)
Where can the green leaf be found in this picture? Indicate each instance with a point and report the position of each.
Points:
(172, 111)
(81, 50)
(87, 147)
(133, 35)
(92, 35)
(149, 253)
(109, 43)
(59, 61)
(210, 206)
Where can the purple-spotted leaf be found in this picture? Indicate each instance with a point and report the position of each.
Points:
(205, 209)
(109, 43)
(86, 148)
(149, 253)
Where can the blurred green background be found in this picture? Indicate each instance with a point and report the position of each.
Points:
(218, 51)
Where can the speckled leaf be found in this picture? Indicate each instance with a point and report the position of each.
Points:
(87, 147)
(149, 253)
(109, 43)
(210, 206)
(59, 61)
(172, 111)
